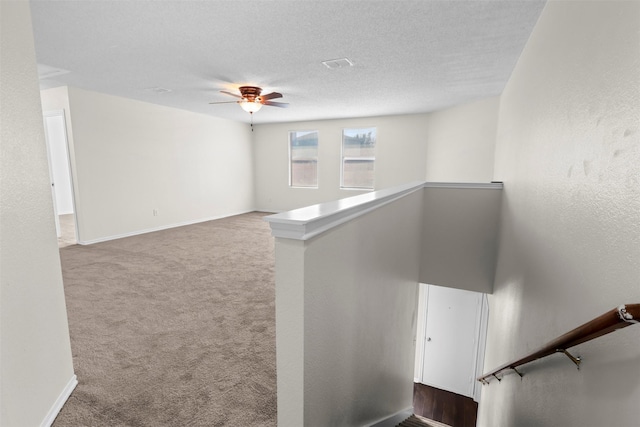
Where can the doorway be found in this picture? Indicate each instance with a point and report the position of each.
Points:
(60, 176)
(451, 337)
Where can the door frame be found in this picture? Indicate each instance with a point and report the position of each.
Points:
(482, 319)
(61, 113)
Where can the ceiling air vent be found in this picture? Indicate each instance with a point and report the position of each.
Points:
(333, 64)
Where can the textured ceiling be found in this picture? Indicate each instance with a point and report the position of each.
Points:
(408, 56)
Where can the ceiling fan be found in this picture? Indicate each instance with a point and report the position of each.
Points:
(251, 100)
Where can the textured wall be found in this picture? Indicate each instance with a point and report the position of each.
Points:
(568, 151)
(35, 351)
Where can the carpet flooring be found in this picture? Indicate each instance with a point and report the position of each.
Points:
(174, 328)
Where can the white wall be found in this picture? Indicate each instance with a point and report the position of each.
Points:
(131, 158)
(461, 142)
(568, 151)
(56, 99)
(400, 158)
(35, 352)
(347, 305)
(452, 145)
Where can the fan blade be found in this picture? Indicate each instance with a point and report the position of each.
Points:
(276, 104)
(271, 95)
(232, 94)
(225, 102)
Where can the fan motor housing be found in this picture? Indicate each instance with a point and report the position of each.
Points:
(250, 92)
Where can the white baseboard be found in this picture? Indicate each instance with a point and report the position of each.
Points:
(271, 211)
(59, 403)
(160, 228)
(395, 419)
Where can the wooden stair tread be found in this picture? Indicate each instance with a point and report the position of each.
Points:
(418, 421)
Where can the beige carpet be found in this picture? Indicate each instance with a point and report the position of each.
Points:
(174, 328)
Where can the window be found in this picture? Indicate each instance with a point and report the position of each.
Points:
(303, 155)
(358, 158)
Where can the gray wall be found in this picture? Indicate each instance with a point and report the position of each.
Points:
(568, 151)
(460, 237)
(35, 352)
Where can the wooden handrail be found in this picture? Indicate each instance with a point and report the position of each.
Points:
(610, 321)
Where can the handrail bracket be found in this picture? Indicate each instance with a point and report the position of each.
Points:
(517, 372)
(575, 359)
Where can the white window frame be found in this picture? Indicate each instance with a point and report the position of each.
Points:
(369, 158)
(317, 159)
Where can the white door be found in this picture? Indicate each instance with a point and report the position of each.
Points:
(451, 338)
(55, 132)
(56, 135)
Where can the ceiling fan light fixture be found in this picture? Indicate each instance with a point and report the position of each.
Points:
(250, 106)
(250, 99)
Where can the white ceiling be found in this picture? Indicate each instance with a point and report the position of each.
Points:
(409, 56)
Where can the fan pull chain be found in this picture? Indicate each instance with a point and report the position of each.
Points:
(251, 121)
